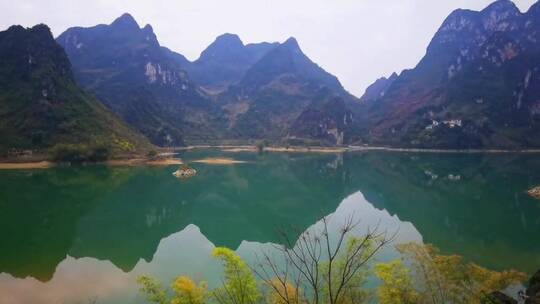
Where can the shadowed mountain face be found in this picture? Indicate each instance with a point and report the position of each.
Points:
(472, 205)
(378, 88)
(330, 122)
(274, 91)
(138, 79)
(278, 94)
(248, 92)
(40, 104)
(225, 61)
(477, 86)
(288, 58)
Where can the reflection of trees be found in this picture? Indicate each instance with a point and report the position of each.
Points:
(121, 214)
(228, 203)
(39, 214)
(484, 215)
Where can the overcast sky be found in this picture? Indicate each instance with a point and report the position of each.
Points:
(357, 40)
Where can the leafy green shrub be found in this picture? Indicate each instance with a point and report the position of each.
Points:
(79, 153)
(261, 145)
(3, 151)
(152, 154)
(124, 145)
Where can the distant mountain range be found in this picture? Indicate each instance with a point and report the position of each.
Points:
(478, 86)
(40, 103)
(225, 61)
(232, 92)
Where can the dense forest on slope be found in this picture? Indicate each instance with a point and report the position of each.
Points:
(40, 103)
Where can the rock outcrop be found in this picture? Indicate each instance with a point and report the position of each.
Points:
(498, 297)
(535, 192)
(185, 172)
(533, 290)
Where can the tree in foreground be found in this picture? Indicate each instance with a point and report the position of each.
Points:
(239, 285)
(319, 268)
(397, 287)
(316, 268)
(154, 291)
(185, 291)
(188, 292)
(439, 278)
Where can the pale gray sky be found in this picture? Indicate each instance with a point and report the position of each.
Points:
(356, 40)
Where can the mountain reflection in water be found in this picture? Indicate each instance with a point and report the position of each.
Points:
(77, 233)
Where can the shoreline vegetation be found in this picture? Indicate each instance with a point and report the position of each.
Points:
(165, 155)
(126, 162)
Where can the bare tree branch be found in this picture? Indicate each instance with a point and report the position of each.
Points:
(327, 270)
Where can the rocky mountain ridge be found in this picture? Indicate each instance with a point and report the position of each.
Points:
(477, 86)
(232, 92)
(125, 66)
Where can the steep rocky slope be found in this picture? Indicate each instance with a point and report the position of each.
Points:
(144, 83)
(478, 86)
(225, 61)
(40, 103)
(279, 96)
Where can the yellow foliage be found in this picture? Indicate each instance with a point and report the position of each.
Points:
(240, 285)
(449, 279)
(396, 287)
(487, 281)
(187, 292)
(283, 293)
(155, 293)
(124, 145)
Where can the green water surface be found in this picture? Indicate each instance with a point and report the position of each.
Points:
(83, 234)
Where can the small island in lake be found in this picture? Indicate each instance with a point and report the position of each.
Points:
(535, 192)
(184, 172)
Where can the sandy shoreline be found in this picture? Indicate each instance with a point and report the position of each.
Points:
(235, 149)
(307, 150)
(168, 161)
(350, 149)
(27, 165)
(491, 151)
(112, 163)
(218, 161)
(144, 162)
